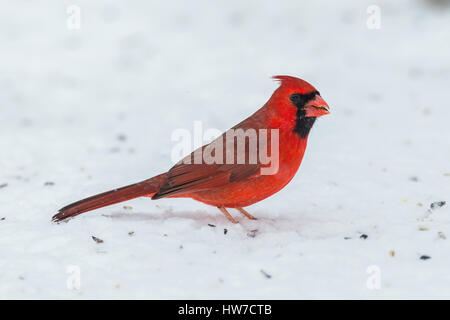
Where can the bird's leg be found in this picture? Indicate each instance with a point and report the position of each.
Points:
(245, 213)
(227, 214)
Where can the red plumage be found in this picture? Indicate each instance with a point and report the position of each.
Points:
(292, 109)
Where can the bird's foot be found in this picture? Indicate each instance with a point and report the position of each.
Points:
(245, 213)
(227, 214)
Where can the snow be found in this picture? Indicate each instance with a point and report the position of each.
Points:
(94, 109)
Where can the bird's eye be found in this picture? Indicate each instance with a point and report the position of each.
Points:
(294, 97)
(297, 99)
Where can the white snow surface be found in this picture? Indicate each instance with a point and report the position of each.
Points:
(93, 109)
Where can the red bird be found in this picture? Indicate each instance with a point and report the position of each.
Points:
(291, 111)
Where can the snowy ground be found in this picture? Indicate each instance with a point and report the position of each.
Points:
(88, 110)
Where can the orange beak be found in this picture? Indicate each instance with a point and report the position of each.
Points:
(317, 107)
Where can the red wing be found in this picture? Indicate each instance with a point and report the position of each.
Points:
(187, 177)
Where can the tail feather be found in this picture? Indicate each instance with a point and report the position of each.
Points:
(145, 188)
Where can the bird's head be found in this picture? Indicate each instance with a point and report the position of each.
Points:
(298, 93)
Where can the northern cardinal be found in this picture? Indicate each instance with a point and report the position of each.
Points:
(291, 110)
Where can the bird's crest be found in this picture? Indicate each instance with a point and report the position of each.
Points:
(299, 85)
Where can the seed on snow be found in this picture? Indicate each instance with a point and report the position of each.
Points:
(98, 240)
(437, 204)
